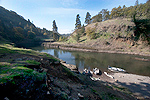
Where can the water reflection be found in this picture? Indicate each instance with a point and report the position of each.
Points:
(56, 53)
(102, 60)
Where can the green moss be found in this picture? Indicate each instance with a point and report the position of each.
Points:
(69, 73)
(32, 62)
(50, 57)
(4, 50)
(9, 72)
(94, 91)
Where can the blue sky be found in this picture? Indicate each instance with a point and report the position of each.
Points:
(43, 12)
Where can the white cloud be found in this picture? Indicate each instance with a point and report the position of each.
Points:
(65, 11)
(67, 3)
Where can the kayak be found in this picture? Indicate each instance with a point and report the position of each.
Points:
(114, 69)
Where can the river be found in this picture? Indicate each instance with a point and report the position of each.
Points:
(90, 60)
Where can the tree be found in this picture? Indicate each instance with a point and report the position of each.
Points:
(78, 22)
(55, 31)
(105, 14)
(55, 36)
(82, 29)
(117, 12)
(113, 13)
(136, 3)
(77, 37)
(142, 29)
(147, 9)
(88, 18)
(31, 35)
(28, 20)
(54, 27)
(97, 18)
(123, 11)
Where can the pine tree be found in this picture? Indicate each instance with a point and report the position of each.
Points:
(78, 22)
(54, 27)
(88, 18)
(136, 3)
(54, 31)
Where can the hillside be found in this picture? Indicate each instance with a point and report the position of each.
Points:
(117, 35)
(121, 30)
(14, 28)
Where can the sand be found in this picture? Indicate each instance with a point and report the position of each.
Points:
(139, 85)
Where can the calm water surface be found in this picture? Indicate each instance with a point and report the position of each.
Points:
(91, 60)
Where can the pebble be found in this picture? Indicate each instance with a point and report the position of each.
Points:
(80, 96)
(6, 98)
(116, 80)
(48, 92)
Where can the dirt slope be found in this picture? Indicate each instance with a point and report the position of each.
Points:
(115, 35)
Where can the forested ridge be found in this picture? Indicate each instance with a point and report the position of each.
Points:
(139, 14)
(141, 11)
(14, 28)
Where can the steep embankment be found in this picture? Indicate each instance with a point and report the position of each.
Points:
(115, 36)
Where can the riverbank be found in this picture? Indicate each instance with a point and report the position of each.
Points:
(137, 85)
(88, 48)
(27, 74)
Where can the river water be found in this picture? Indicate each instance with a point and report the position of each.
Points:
(91, 60)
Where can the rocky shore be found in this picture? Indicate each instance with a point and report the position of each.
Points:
(86, 48)
(137, 85)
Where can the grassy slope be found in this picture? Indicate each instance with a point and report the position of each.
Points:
(108, 33)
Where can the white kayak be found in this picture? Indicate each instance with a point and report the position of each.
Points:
(114, 69)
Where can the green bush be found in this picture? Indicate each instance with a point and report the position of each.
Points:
(91, 33)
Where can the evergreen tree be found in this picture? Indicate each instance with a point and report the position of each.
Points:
(54, 27)
(55, 31)
(136, 3)
(88, 18)
(78, 22)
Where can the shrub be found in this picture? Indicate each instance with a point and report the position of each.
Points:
(91, 33)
